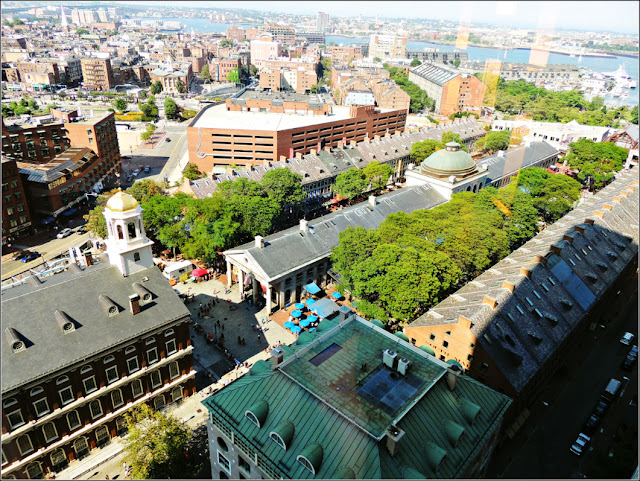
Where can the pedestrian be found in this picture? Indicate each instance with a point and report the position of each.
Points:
(106, 476)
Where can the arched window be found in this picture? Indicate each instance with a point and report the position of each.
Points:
(58, 458)
(36, 390)
(9, 402)
(120, 234)
(73, 420)
(81, 446)
(131, 230)
(96, 408)
(62, 380)
(24, 444)
(150, 341)
(102, 435)
(50, 432)
(109, 359)
(86, 369)
(129, 350)
(158, 402)
(169, 332)
(34, 470)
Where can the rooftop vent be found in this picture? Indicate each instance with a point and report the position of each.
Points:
(144, 294)
(389, 358)
(64, 321)
(108, 305)
(394, 435)
(259, 242)
(257, 413)
(14, 339)
(470, 411)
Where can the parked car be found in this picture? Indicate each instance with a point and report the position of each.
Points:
(135, 172)
(580, 445)
(600, 409)
(81, 230)
(167, 139)
(20, 254)
(64, 233)
(147, 169)
(31, 256)
(631, 358)
(591, 424)
(626, 338)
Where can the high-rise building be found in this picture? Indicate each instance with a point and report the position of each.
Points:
(16, 219)
(387, 46)
(322, 22)
(63, 17)
(97, 73)
(102, 15)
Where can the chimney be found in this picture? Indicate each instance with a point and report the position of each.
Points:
(625, 193)
(319, 147)
(579, 229)
(617, 199)
(607, 207)
(588, 221)
(277, 356)
(490, 301)
(568, 238)
(508, 285)
(327, 148)
(313, 152)
(304, 225)
(556, 249)
(453, 372)
(298, 155)
(352, 143)
(394, 435)
(542, 260)
(598, 213)
(283, 158)
(259, 242)
(134, 303)
(525, 272)
(376, 137)
(367, 140)
(372, 200)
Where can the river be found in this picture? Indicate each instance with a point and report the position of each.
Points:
(595, 64)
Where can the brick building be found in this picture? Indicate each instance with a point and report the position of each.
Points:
(16, 219)
(263, 49)
(218, 135)
(99, 134)
(170, 78)
(389, 96)
(235, 34)
(219, 68)
(67, 380)
(387, 46)
(280, 33)
(33, 143)
(452, 90)
(343, 55)
(298, 79)
(97, 74)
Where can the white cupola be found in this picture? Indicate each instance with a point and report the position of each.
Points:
(128, 247)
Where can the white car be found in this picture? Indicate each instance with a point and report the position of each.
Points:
(135, 172)
(626, 338)
(581, 443)
(64, 233)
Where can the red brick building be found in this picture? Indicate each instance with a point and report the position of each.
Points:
(33, 143)
(97, 74)
(16, 219)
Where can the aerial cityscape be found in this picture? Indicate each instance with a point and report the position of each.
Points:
(319, 240)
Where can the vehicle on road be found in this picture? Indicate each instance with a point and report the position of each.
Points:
(167, 139)
(631, 358)
(147, 169)
(82, 230)
(580, 445)
(20, 254)
(626, 338)
(600, 409)
(31, 256)
(613, 386)
(591, 424)
(135, 172)
(64, 233)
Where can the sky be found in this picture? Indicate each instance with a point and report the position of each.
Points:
(615, 16)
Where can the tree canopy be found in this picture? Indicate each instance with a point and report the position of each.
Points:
(419, 98)
(415, 62)
(422, 150)
(378, 175)
(350, 184)
(192, 172)
(204, 73)
(156, 87)
(494, 141)
(596, 162)
(170, 108)
(553, 194)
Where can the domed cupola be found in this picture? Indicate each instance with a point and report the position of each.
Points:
(449, 161)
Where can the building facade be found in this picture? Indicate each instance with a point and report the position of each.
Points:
(34, 143)
(97, 73)
(67, 380)
(16, 219)
(387, 46)
(263, 49)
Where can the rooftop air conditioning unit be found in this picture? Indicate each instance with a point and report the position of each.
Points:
(403, 366)
(389, 358)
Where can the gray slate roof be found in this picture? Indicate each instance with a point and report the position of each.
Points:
(436, 73)
(30, 311)
(514, 160)
(562, 289)
(291, 249)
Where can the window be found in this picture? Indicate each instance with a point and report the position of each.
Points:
(244, 465)
(136, 256)
(58, 457)
(50, 432)
(116, 398)
(171, 347)
(305, 462)
(129, 350)
(121, 425)
(136, 387)
(448, 333)
(152, 355)
(470, 357)
(158, 402)
(151, 340)
(132, 364)
(174, 370)
(42, 407)
(86, 369)
(34, 470)
(109, 359)
(224, 463)
(15, 419)
(81, 446)
(73, 420)
(66, 395)
(176, 394)
(112, 374)
(102, 436)
(156, 379)
(445, 343)
(96, 408)
(62, 380)
(432, 337)
(24, 444)
(168, 333)
(90, 384)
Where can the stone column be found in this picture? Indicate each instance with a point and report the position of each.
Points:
(229, 274)
(256, 286)
(268, 294)
(240, 283)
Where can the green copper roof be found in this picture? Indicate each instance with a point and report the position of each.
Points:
(428, 349)
(402, 336)
(435, 455)
(448, 162)
(313, 453)
(454, 432)
(378, 323)
(453, 362)
(470, 410)
(320, 402)
(285, 431)
(259, 411)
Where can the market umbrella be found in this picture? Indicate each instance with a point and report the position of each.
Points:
(337, 295)
(199, 272)
(312, 318)
(289, 324)
(299, 306)
(310, 302)
(295, 329)
(305, 322)
(296, 313)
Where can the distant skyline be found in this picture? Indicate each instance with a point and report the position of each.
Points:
(615, 16)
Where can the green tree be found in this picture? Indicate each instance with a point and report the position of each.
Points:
(7, 111)
(156, 444)
(170, 108)
(596, 161)
(450, 136)
(33, 105)
(204, 73)
(146, 136)
(96, 222)
(156, 87)
(415, 62)
(634, 115)
(120, 104)
(180, 87)
(233, 76)
(82, 31)
(496, 140)
(421, 150)
(146, 109)
(284, 186)
(377, 174)
(456, 63)
(350, 184)
(226, 43)
(377, 59)
(145, 189)
(553, 194)
(151, 128)
(192, 172)
(314, 89)
(151, 100)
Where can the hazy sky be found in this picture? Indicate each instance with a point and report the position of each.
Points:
(618, 16)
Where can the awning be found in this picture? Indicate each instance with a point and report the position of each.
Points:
(312, 318)
(295, 329)
(299, 305)
(48, 220)
(310, 302)
(336, 295)
(199, 272)
(453, 362)
(305, 323)
(70, 211)
(312, 288)
(325, 307)
(296, 313)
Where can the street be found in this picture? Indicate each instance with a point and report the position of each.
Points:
(541, 449)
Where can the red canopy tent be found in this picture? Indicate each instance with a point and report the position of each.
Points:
(199, 272)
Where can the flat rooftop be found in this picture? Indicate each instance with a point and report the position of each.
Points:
(286, 96)
(346, 371)
(217, 117)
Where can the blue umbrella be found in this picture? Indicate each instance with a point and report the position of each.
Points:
(310, 302)
(299, 305)
(296, 313)
(312, 318)
(337, 295)
(295, 329)
(305, 323)
(289, 324)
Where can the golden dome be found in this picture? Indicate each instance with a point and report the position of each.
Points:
(121, 202)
